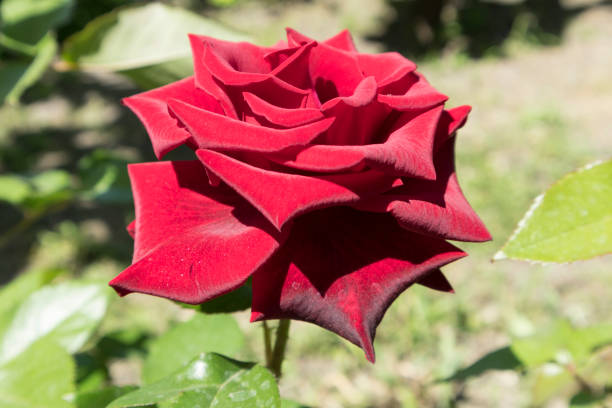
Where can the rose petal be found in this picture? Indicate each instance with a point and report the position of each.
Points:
(333, 72)
(213, 131)
(281, 116)
(409, 149)
(343, 41)
(358, 117)
(233, 83)
(222, 70)
(281, 196)
(387, 67)
(204, 79)
(437, 281)
(433, 207)
(341, 269)
(322, 158)
(407, 152)
(451, 121)
(131, 229)
(193, 242)
(362, 95)
(152, 110)
(413, 93)
(294, 69)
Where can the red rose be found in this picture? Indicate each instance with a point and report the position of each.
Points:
(325, 174)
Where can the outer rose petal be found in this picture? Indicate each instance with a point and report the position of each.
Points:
(437, 281)
(418, 95)
(131, 229)
(343, 41)
(341, 269)
(451, 121)
(193, 242)
(386, 68)
(152, 109)
(433, 207)
(281, 196)
(214, 131)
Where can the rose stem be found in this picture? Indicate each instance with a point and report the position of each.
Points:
(267, 343)
(280, 345)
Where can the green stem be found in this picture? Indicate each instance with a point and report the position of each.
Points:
(280, 345)
(267, 343)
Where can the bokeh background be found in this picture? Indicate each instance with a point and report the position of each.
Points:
(538, 76)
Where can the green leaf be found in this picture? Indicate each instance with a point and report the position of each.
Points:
(13, 189)
(234, 301)
(571, 221)
(148, 42)
(20, 76)
(155, 75)
(500, 359)
(176, 347)
(19, 288)
(210, 380)
(101, 398)
(550, 380)
(28, 21)
(39, 191)
(561, 342)
(596, 336)
(41, 376)
(104, 178)
(68, 313)
(584, 399)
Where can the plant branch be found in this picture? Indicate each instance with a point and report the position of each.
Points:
(280, 345)
(267, 343)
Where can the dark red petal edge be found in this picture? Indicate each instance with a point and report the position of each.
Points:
(341, 269)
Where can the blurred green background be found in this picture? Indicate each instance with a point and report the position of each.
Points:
(536, 72)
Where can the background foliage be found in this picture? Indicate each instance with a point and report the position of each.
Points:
(515, 334)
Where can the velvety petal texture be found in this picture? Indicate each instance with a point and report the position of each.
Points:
(341, 269)
(325, 174)
(193, 242)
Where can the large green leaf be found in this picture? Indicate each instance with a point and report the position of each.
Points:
(500, 359)
(148, 42)
(152, 76)
(13, 189)
(37, 192)
(176, 347)
(68, 313)
(101, 398)
(209, 380)
(562, 341)
(551, 380)
(562, 344)
(569, 222)
(20, 288)
(17, 76)
(28, 21)
(40, 377)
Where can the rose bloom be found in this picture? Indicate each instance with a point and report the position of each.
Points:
(325, 175)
